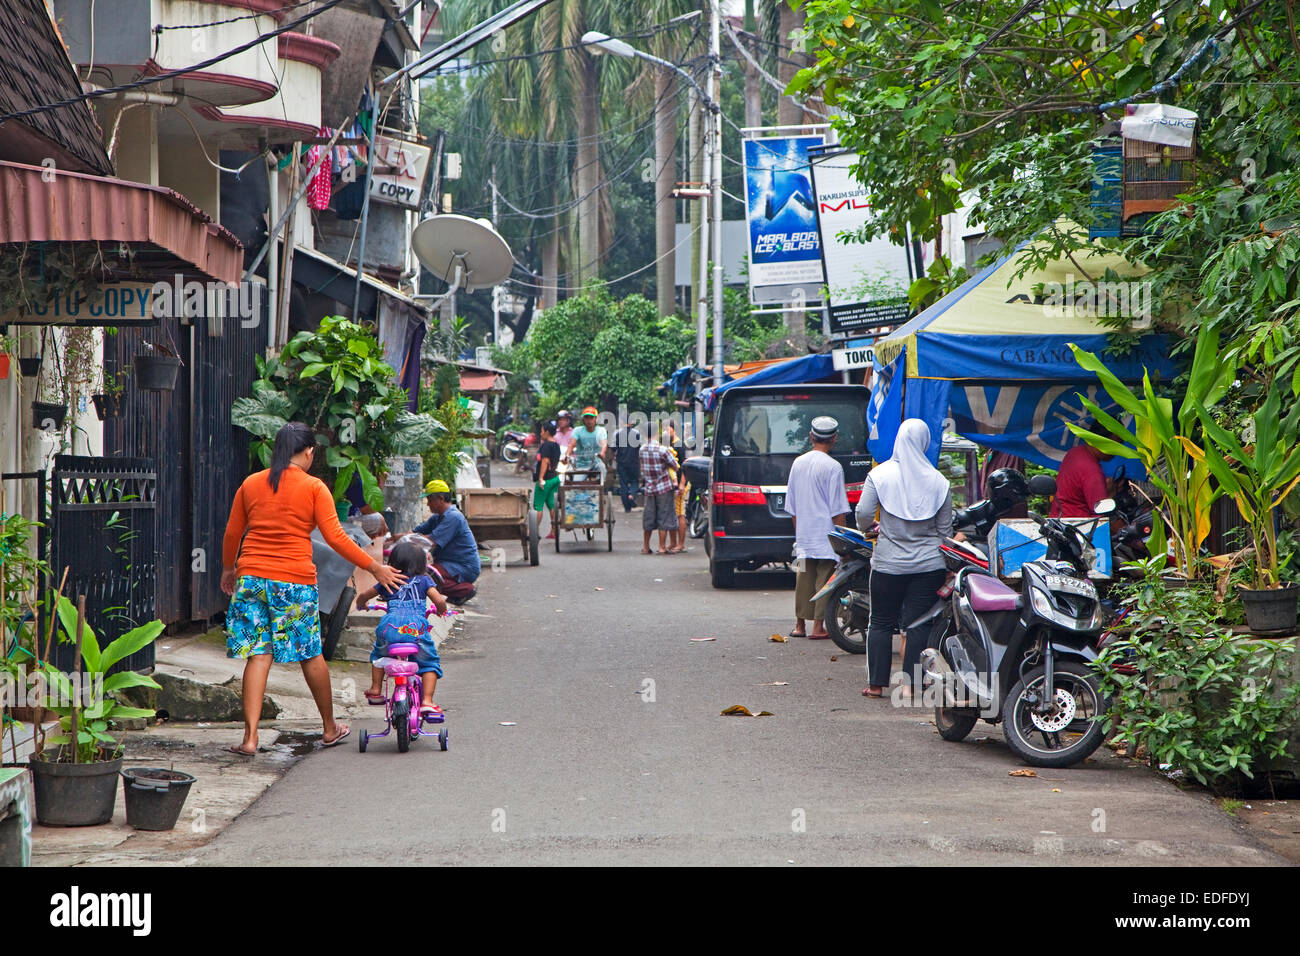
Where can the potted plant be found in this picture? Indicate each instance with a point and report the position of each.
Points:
(76, 783)
(1163, 443)
(108, 401)
(1258, 479)
(29, 366)
(157, 369)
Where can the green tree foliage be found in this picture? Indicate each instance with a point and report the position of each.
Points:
(1000, 98)
(593, 349)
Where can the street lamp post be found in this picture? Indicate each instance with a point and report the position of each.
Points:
(713, 224)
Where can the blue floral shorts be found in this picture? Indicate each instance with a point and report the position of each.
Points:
(273, 617)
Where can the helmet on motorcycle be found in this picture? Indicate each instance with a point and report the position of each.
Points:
(1006, 485)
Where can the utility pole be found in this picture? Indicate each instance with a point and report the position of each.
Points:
(496, 291)
(715, 84)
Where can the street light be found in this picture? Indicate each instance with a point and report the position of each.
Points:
(713, 223)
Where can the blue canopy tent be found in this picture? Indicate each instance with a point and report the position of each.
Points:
(803, 370)
(991, 360)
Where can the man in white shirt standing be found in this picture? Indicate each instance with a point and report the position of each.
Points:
(817, 500)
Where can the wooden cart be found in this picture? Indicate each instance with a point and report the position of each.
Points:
(496, 514)
(582, 505)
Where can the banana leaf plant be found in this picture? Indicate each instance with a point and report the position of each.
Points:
(1258, 477)
(93, 701)
(1165, 444)
(336, 380)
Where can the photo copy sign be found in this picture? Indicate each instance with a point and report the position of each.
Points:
(866, 282)
(784, 249)
(399, 172)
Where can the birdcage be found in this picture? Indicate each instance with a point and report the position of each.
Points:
(1154, 174)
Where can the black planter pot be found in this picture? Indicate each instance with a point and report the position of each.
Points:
(154, 797)
(157, 373)
(75, 794)
(43, 412)
(107, 406)
(1272, 610)
(30, 367)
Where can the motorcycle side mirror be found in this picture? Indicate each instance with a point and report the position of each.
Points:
(1042, 485)
(1104, 507)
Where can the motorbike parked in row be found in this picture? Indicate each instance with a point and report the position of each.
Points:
(1040, 642)
(848, 609)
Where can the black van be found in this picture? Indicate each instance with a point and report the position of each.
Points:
(759, 431)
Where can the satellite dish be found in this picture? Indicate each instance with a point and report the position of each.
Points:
(462, 251)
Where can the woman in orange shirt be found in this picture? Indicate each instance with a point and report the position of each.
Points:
(270, 575)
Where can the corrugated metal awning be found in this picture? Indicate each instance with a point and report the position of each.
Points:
(166, 232)
(481, 382)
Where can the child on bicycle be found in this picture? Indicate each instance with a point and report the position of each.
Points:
(405, 622)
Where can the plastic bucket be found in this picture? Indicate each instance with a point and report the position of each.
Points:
(1270, 610)
(154, 796)
(74, 794)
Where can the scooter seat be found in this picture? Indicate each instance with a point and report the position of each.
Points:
(990, 594)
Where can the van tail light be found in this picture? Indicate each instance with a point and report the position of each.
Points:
(719, 533)
(854, 490)
(726, 493)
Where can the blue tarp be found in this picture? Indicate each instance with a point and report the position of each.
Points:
(991, 361)
(803, 370)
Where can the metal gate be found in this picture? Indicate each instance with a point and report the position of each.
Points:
(103, 517)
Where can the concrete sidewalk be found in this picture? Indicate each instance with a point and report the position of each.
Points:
(227, 783)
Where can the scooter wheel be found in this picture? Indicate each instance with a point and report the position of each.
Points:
(1068, 734)
(955, 723)
(838, 618)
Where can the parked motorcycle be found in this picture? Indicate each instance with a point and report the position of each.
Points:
(848, 609)
(697, 495)
(517, 449)
(1040, 642)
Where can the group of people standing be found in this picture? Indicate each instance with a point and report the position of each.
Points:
(652, 464)
(909, 502)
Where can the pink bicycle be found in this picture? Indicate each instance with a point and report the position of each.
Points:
(402, 706)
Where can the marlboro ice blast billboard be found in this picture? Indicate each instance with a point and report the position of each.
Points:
(785, 263)
(866, 283)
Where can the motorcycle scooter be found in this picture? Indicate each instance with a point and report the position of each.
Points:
(848, 609)
(1039, 642)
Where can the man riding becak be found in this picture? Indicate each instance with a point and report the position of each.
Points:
(455, 552)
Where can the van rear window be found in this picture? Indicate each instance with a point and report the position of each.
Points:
(779, 424)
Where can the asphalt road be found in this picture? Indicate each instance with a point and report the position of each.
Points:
(615, 751)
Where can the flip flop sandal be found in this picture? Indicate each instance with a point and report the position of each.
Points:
(867, 692)
(337, 740)
(796, 634)
(375, 699)
(242, 753)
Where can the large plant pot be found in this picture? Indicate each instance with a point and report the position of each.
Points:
(157, 373)
(75, 794)
(1272, 610)
(154, 796)
(43, 412)
(107, 406)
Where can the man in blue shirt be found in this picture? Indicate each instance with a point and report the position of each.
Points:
(455, 552)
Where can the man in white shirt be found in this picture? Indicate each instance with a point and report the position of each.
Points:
(817, 500)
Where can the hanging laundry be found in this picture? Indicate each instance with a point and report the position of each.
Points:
(318, 191)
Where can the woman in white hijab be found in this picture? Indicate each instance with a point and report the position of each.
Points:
(912, 502)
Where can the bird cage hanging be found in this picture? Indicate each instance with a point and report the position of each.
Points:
(1155, 158)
